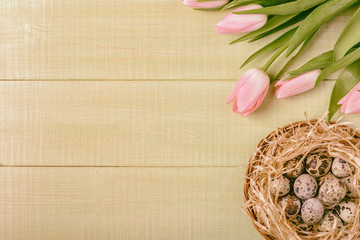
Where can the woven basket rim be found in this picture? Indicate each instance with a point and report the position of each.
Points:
(269, 138)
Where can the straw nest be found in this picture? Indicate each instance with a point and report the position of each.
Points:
(267, 163)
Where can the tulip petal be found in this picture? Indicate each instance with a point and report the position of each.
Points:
(353, 104)
(235, 107)
(236, 89)
(297, 85)
(206, 4)
(240, 83)
(254, 26)
(241, 24)
(343, 107)
(261, 99)
(251, 91)
(237, 23)
(347, 96)
(279, 83)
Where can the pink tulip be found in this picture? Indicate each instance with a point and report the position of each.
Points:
(240, 23)
(249, 91)
(297, 85)
(208, 4)
(351, 102)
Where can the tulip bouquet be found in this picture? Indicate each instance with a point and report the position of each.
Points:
(298, 20)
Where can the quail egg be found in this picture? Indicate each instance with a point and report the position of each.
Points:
(280, 185)
(305, 186)
(332, 192)
(347, 211)
(312, 211)
(318, 163)
(325, 178)
(291, 204)
(294, 167)
(329, 222)
(341, 168)
(350, 183)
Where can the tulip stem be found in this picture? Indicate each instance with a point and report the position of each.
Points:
(275, 56)
(284, 68)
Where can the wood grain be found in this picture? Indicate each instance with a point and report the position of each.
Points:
(138, 123)
(111, 39)
(152, 155)
(123, 203)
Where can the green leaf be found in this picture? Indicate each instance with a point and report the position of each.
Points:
(322, 14)
(349, 36)
(347, 80)
(270, 25)
(264, 3)
(267, 3)
(339, 64)
(208, 9)
(236, 3)
(291, 22)
(280, 41)
(285, 9)
(275, 56)
(319, 62)
(283, 69)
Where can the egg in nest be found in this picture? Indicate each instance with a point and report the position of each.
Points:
(291, 204)
(351, 186)
(332, 192)
(280, 185)
(318, 164)
(312, 211)
(294, 167)
(341, 168)
(347, 211)
(329, 222)
(305, 186)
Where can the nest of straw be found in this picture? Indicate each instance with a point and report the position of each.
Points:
(267, 163)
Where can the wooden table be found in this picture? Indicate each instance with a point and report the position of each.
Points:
(113, 122)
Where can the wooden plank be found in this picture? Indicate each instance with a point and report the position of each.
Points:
(160, 123)
(123, 203)
(113, 39)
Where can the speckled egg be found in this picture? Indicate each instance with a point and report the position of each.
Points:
(350, 183)
(347, 211)
(332, 192)
(291, 204)
(318, 164)
(312, 211)
(305, 186)
(341, 168)
(294, 167)
(280, 185)
(329, 221)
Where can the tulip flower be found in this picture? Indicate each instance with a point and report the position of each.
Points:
(240, 23)
(297, 85)
(207, 4)
(249, 91)
(351, 102)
